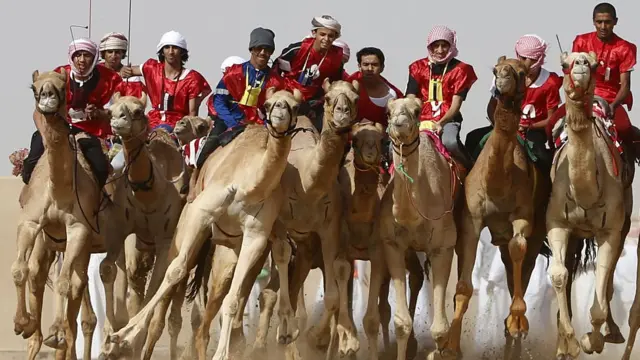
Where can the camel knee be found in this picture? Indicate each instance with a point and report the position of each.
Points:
(175, 323)
(89, 324)
(342, 269)
(20, 272)
(230, 304)
(176, 271)
(559, 276)
(267, 299)
(371, 322)
(598, 313)
(108, 271)
(404, 327)
(281, 251)
(518, 248)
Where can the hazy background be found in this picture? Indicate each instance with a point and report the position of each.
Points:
(37, 36)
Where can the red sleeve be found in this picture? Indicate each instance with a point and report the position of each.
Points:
(629, 54)
(147, 69)
(345, 75)
(578, 44)
(198, 86)
(464, 79)
(275, 81)
(553, 94)
(113, 85)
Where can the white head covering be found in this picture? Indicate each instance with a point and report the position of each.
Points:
(113, 41)
(346, 51)
(326, 21)
(172, 38)
(231, 60)
(83, 44)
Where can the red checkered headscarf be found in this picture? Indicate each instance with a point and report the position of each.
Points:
(532, 47)
(83, 45)
(440, 32)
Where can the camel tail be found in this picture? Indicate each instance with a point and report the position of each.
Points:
(201, 267)
(584, 261)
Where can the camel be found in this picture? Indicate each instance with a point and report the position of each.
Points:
(243, 200)
(58, 207)
(190, 128)
(507, 193)
(151, 204)
(588, 200)
(416, 213)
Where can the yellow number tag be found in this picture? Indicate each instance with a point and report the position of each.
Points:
(250, 96)
(435, 90)
(427, 125)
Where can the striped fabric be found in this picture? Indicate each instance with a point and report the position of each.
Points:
(532, 47)
(191, 151)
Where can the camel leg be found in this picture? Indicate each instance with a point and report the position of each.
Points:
(469, 229)
(175, 320)
(295, 283)
(88, 323)
(222, 269)
(268, 299)
(517, 322)
(416, 279)
(78, 284)
(120, 290)
(254, 243)
(301, 312)
(77, 236)
(371, 319)
(39, 264)
(108, 273)
(288, 330)
(441, 261)
(567, 345)
(348, 345)
(608, 248)
(160, 265)
(384, 308)
(612, 330)
(394, 256)
(138, 264)
(24, 323)
(634, 315)
(191, 232)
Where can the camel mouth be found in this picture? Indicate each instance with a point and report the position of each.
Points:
(120, 126)
(280, 122)
(48, 105)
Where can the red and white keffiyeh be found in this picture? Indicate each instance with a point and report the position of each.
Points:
(440, 32)
(532, 47)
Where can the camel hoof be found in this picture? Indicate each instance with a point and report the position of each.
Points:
(349, 344)
(56, 341)
(614, 338)
(518, 326)
(592, 342)
(317, 339)
(287, 332)
(445, 354)
(25, 326)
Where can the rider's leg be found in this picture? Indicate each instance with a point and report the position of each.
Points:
(36, 149)
(539, 139)
(98, 161)
(451, 141)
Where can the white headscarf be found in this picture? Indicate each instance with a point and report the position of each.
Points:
(83, 44)
(326, 21)
(172, 38)
(231, 60)
(113, 41)
(346, 51)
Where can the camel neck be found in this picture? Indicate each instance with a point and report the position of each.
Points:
(140, 169)
(581, 153)
(272, 166)
(56, 139)
(406, 186)
(500, 150)
(324, 166)
(365, 193)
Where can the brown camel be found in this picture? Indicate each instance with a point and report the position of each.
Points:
(151, 204)
(588, 200)
(508, 194)
(254, 195)
(58, 207)
(190, 128)
(417, 214)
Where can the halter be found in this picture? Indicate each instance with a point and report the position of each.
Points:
(352, 110)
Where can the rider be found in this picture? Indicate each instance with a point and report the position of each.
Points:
(442, 82)
(226, 64)
(616, 59)
(113, 49)
(541, 100)
(240, 96)
(304, 65)
(174, 91)
(89, 88)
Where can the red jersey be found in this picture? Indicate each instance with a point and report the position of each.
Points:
(170, 98)
(302, 56)
(133, 86)
(614, 58)
(235, 81)
(369, 110)
(457, 80)
(97, 91)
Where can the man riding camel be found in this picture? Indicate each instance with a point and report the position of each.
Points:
(113, 49)
(240, 95)
(89, 89)
(211, 110)
(304, 65)
(541, 100)
(442, 82)
(174, 91)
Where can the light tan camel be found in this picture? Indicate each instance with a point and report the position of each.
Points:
(63, 210)
(190, 128)
(508, 194)
(416, 213)
(151, 204)
(588, 200)
(255, 194)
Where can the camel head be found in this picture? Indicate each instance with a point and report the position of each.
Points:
(191, 127)
(340, 103)
(282, 110)
(404, 119)
(579, 67)
(49, 91)
(510, 77)
(367, 144)
(127, 117)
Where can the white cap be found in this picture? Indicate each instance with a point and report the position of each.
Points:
(346, 51)
(172, 38)
(231, 60)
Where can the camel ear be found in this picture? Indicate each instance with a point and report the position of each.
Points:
(297, 94)
(35, 75)
(326, 84)
(563, 59)
(501, 59)
(270, 92)
(593, 60)
(415, 99)
(356, 85)
(116, 96)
